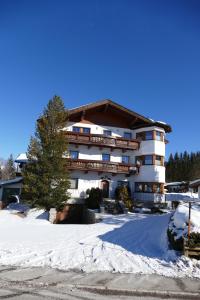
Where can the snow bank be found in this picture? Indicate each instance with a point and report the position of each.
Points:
(132, 243)
(179, 221)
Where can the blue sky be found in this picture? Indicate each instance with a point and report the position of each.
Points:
(143, 54)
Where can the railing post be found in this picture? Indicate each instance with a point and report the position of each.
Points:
(189, 220)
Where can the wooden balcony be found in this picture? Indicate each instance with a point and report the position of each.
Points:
(101, 166)
(102, 141)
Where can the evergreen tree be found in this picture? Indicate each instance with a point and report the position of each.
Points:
(183, 167)
(46, 179)
(9, 170)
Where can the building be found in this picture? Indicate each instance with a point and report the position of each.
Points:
(110, 145)
(177, 187)
(195, 186)
(9, 188)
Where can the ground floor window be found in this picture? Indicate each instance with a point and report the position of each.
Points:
(123, 183)
(149, 187)
(8, 192)
(73, 183)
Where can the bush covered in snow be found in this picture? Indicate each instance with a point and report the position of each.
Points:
(178, 226)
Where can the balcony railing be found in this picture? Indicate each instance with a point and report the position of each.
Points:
(102, 141)
(101, 166)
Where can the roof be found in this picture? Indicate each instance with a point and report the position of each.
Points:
(175, 183)
(10, 181)
(109, 103)
(21, 158)
(195, 183)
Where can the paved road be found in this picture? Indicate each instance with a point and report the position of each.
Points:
(44, 283)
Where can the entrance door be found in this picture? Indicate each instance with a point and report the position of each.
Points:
(105, 188)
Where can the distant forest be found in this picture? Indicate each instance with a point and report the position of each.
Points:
(183, 167)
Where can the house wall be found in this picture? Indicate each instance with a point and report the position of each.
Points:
(149, 197)
(94, 153)
(147, 173)
(14, 185)
(93, 179)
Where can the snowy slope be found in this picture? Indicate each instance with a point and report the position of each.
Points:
(127, 243)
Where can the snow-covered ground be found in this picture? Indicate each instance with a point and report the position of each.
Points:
(132, 243)
(189, 196)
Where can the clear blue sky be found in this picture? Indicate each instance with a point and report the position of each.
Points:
(143, 54)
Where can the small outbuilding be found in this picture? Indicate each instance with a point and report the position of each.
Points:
(195, 186)
(177, 187)
(11, 187)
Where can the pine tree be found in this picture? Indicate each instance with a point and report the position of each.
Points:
(183, 167)
(46, 179)
(9, 170)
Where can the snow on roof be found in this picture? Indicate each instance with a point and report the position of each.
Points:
(195, 183)
(175, 183)
(22, 157)
(10, 181)
(161, 122)
(152, 120)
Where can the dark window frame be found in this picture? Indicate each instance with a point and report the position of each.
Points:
(76, 184)
(127, 161)
(107, 132)
(156, 187)
(129, 134)
(74, 152)
(147, 132)
(76, 127)
(106, 154)
(88, 128)
(144, 161)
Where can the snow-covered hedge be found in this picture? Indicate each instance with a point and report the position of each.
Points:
(178, 226)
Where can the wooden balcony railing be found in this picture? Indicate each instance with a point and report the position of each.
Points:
(101, 166)
(102, 141)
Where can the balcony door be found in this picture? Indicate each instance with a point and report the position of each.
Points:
(105, 188)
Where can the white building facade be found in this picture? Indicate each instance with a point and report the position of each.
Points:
(110, 145)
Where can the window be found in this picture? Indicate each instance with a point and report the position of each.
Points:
(127, 135)
(139, 160)
(73, 183)
(76, 129)
(81, 129)
(158, 160)
(123, 183)
(74, 154)
(138, 187)
(157, 188)
(125, 159)
(148, 160)
(86, 130)
(148, 188)
(148, 135)
(159, 136)
(105, 157)
(107, 132)
(140, 136)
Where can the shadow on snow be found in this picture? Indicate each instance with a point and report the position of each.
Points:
(145, 235)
